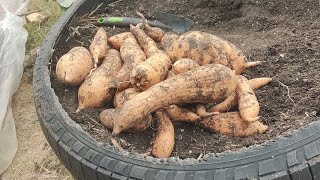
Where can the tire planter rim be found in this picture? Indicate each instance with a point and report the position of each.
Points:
(291, 152)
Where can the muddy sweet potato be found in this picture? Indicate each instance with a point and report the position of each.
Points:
(232, 100)
(154, 33)
(247, 101)
(209, 83)
(123, 96)
(155, 68)
(117, 40)
(232, 124)
(180, 114)
(73, 67)
(183, 65)
(106, 118)
(96, 90)
(151, 71)
(205, 48)
(132, 55)
(164, 141)
(146, 43)
(99, 46)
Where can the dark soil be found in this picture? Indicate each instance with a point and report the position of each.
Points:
(285, 34)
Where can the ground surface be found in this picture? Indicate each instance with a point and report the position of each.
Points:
(284, 34)
(35, 159)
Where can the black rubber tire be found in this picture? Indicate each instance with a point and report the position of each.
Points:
(290, 157)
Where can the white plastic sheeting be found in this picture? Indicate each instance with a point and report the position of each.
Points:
(13, 38)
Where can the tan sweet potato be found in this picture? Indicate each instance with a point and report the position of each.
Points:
(146, 43)
(232, 124)
(183, 65)
(117, 40)
(177, 113)
(151, 71)
(96, 90)
(247, 101)
(205, 48)
(154, 33)
(73, 67)
(209, 83)
(201, 111)
(155, 68)
(99, 46)
(232, 100)
(132, 55)
(106, 118)
(123, 96)
(164, 141)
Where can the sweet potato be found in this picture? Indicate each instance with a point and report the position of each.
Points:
(164, 141)
(177, 113)
(209, 83)
(123, 96)
(106, 118)
(247, 101)
(201, 111)
(232, 124)
(183, 65)
(132, 55)
(99, 46)
(96, 90)
(151, 71)
(146, 43)
(154, 33)
(205, 48)
(73, 67)
(117, 40)
(167, 40)
(232, 100)
(155, 68)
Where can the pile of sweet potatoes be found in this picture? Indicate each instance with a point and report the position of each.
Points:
(153, 77)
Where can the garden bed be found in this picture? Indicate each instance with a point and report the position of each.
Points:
(282, 34)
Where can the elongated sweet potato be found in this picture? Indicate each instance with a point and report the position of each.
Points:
(99, 46)
(106, 118)
(96, 90)
(205, 48)
(232, 124)
(164, 141)
(117, 40)
(209, 83)
(73, 67)
(177, 113)
(247, 101)
(132, 55)
(201, 111)
(123, 96)
(155, 68)
(232, 100)
(183, 65)
(146, 43)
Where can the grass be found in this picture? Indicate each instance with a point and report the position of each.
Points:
(37, 32)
